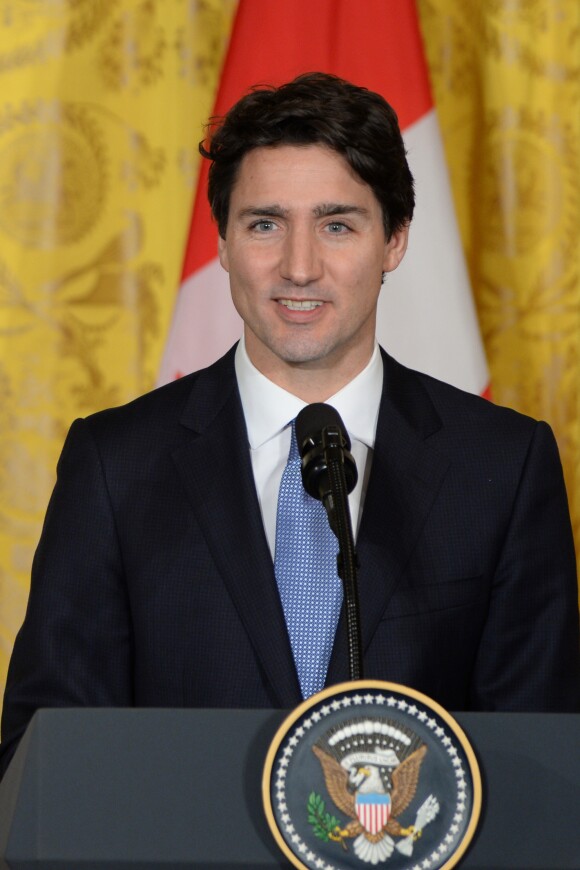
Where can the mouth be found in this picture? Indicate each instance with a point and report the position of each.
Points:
(300, 304)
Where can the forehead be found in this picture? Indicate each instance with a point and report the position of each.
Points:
(299, 174)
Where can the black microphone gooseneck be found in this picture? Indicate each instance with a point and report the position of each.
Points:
(329, 474)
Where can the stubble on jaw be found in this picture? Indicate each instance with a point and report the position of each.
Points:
(305, 367)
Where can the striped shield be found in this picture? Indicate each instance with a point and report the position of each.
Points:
(373, 811)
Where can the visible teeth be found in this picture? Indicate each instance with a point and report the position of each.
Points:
(297, 305)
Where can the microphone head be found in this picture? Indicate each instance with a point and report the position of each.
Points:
(319, 427)
(312, 420)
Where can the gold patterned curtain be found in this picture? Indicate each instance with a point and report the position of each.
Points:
(506, 79)
(101, 107)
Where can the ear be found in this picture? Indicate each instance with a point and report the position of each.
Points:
(223, 253)
(395, 249)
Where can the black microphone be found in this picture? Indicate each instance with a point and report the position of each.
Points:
(329, 474)
(321, 437)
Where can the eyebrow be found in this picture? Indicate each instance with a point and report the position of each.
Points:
(327, 209)
(338, 208)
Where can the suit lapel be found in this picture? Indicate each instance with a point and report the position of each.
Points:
(216, 470)
(406, 474)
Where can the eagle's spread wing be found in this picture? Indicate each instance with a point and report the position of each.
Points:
(405, 778)
(336, 778)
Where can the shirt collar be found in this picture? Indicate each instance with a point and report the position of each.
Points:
(269, 408)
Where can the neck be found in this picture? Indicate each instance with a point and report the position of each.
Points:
(312, 381)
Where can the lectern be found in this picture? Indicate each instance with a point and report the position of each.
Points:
(154, 789)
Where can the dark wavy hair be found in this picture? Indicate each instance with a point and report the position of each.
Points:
(314, 108)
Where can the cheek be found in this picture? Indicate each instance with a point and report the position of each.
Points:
(250, 273)
(241, 283)
(365, 283)
(243, 286)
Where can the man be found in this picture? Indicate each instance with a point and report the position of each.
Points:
(154, 582)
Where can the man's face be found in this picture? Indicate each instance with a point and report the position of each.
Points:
(305, 249)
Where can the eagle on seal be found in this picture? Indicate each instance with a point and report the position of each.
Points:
(349, 789)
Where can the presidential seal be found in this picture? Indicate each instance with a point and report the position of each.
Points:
(368, 773)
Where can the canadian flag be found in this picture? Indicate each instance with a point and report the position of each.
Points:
(426, 316)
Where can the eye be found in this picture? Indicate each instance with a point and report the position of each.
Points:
(263, 226)
(337, 228)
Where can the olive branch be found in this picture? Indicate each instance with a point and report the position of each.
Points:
(324, 825)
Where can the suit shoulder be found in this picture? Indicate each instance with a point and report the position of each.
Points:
(475, 435)
(466, 424)
(457, 406)
(166, 403)
(167, 399)
(452, 400)
(155, 418)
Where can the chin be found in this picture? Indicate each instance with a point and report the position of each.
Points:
(302, 351)
(301, 357)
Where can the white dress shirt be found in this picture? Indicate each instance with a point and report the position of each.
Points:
(269, 411)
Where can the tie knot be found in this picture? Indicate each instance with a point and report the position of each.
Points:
(293, 454)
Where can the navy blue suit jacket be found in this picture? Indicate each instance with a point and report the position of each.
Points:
(153, 584)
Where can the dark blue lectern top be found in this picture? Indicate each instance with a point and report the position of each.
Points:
(156, 789)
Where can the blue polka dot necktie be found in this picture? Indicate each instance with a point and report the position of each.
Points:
(305, 567)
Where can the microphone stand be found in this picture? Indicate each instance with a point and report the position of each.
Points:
(335, 501)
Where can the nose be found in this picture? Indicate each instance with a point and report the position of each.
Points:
(301, 261)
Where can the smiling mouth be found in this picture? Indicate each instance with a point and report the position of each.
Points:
(300, 305)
